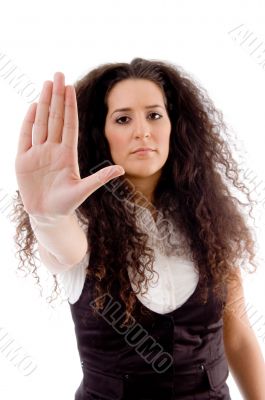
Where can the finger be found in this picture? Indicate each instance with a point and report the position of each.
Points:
(25, 136)
(93, 182)
(70, 128)
(40, 128)
(56, 115)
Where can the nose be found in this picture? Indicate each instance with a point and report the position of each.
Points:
(141, 128)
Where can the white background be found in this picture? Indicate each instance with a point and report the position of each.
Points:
(73, 37)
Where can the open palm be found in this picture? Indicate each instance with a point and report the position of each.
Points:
(46, 163)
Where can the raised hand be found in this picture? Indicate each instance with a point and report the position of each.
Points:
(46, 163)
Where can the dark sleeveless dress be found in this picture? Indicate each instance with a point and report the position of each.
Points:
(178, 355)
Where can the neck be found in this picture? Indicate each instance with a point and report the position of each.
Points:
(144, 190)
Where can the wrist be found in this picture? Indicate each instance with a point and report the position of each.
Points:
(49, 220)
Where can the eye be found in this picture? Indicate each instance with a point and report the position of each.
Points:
(154, 113)
(120, 118)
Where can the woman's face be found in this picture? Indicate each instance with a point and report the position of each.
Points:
(144, 123)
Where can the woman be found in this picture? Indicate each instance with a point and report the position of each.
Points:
(148, 249)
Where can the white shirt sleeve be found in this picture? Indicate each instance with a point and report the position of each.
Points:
(74, 278)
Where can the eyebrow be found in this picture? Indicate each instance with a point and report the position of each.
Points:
(129, 109)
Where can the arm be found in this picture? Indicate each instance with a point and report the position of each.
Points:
(62, 241)
(47, 172)
(50, 262)
(241, 346)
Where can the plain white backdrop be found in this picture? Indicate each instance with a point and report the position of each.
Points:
(221, 44)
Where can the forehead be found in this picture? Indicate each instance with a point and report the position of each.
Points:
(130, 91)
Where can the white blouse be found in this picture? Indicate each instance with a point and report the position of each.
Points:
(176, 280)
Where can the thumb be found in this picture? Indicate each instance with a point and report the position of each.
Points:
(107, 173)
(91, 183)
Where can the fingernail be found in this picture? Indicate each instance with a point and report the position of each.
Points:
(120, 170)
(110, 173)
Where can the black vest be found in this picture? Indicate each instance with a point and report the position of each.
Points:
(178, 355)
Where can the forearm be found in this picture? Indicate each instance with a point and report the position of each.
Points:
(63, 237)
(248, 369)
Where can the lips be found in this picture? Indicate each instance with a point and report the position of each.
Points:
(143, 149)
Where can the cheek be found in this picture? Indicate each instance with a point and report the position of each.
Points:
(118, 144)
(163, 142)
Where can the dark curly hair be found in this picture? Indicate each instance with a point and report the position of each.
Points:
(193, 186)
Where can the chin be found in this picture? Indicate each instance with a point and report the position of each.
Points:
(144, 172)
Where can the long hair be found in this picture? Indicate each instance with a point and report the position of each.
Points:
(193, 189)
